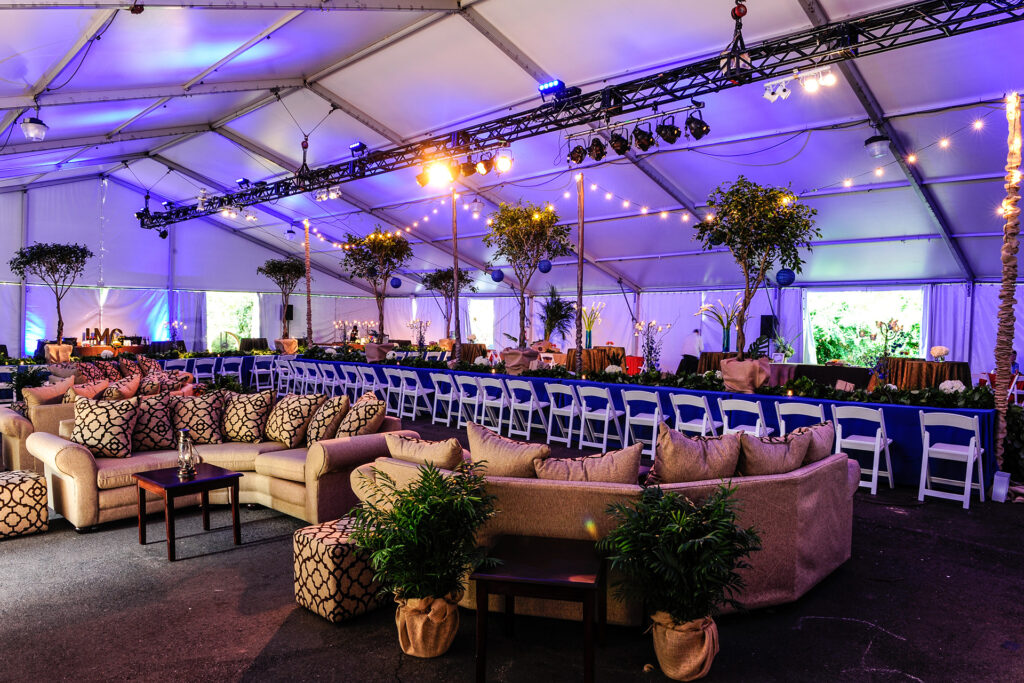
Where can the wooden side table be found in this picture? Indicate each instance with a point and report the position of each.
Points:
(166, 484)
(548, 568)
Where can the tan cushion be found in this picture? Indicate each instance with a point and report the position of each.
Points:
(200, 415)
(326, 419)
(89, 390)
(503, 457)
(48, 394)
(443, 454)
(62, 370)
(105, 427)
(682, 458)
(287, 464)
(122, 388)
(365, 417)
(153, 430)
(823, 438)
(240, 457)
(615, 467)
(245, 416)
(289, 419)
(112, 473)
(772, 454)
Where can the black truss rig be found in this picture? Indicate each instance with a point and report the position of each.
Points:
(868, 34)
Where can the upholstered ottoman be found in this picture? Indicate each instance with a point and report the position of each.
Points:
(332, 576)
(22, 503)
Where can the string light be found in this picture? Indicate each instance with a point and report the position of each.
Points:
(879, 171)
(848, 182)
(911, 158)
(944, 143)
(664, 214)
(978, 124)
(607, 195)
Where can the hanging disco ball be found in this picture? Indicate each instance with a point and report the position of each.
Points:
(396, 282)
(785, 277)
(544, 266)
(497, 275)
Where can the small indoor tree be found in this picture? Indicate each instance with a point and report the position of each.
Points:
(442, 281)
(375, 258)
(285, 273)
(524, 234)
(557, 315)
(57, 265)
(761, 226)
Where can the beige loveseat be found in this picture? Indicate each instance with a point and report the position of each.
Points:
(804, 517)
(312, 484)
(15, 429)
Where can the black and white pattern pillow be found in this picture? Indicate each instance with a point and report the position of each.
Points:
(88, 372)
(105, 427)
(110, 369)
(201, 415)
(366, 417)
(89, 390)
(324, 424)
(153, 430)
(148, 365)
(245, 416)
(129, 367)
(122, 389)
(290, 417)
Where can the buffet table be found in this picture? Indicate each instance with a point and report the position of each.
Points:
(711, 361)
(916, 373)
(596, 359)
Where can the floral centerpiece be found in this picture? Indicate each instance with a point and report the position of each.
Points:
(652, 336)
(725, 315)
(591, 316)
(939, 353)
(419, 327)
(173, 327)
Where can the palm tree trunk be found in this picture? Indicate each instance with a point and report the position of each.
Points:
(1008, 255)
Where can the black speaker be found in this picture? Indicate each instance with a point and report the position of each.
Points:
(769, 326)
(288, 313)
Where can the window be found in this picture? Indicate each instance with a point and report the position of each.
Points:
(231, 316)
(481, 321)
(853, 326)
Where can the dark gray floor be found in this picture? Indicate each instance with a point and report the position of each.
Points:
(932, 593)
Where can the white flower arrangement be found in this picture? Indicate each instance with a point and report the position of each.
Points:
(331, 351)
(892, 387)
(952, 386)
(939, 352)
(471, 338)
(106, 353)
(391, 355)
(613, 369)
(480, 360)
(718, 374)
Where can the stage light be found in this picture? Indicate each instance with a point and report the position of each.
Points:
(577, 154)
(596, 150)
(697, 126)
(644, 138)
(877, 146)
(320, 195)
(357, 148)
(770, 93)
(229, 212)
(810, 84)
(423, 179)
(33, 128)
(619, 143)
(484, 166)
(163, 234)
(250, 216)
(668, 131)
(468, 168)
(439, 174)
(785, 92)
(554, 87)
(827, 78)
(503, 163)
(242, 183)
(168, 205)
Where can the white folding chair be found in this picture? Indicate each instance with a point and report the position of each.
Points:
(353, 381)
(970, 455)
(876, 443)
(231, 367)
(494, 402)
(263, 372)
(523, 406)
(596, 406)
(470, 400)
(753, 421)
(300, 377)
(331, 378)
(394, 387)
(176, 364)
(413, 393)
(432, 355)
(284, 374)
(371, 383)
(702, 425)
(563, 410)
(205, 369)
(444, 396)
(643, 409)
(315, 378)
(784, 409)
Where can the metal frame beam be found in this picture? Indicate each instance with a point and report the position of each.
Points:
(104, 139)
(320, 5)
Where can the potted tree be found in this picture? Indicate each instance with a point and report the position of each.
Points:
(421, 541)
(556, 314)
(679, 558)
(58, 266)
(285, 273)
(376, 258)
(761, 226)
(442, 281)
(524, 234)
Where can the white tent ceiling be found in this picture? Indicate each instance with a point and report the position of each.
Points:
(173, 100)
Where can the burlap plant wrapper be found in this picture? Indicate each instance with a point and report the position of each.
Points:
(685, 651)
(377, 352)
(58, 353)
(744, 376)
(286, 346)
(518, 360)
(427, 626)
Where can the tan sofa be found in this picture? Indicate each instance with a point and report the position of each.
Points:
(311, 484)
(805, 518)
(15, 429)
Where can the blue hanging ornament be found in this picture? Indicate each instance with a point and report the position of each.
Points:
(396, 282)
(544, 266)
(497, 275)
(785, 277)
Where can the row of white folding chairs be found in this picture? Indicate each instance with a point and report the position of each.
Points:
(509, 405)
(428, 355)
(208, 369)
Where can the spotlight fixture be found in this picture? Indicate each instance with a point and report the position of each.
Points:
(771, 94)
(577, 154)
(619, 143)
(320, 195)
(785, 92)
(357, 148)
(242, 183)
(163, 234)
(229, 212)
(439, 174)
(668, 131)
(290, 234)
(596, 150)
(877, 146)
(556, 88)
(467, 168)
(168, 205)
(333, 192)
(423, 178)
(484, 165)
(33, 128)
(696, 125)
(476, 207)
(827, 78)
(503, 163)
(643, 138)
(250, 216)
(810, 84)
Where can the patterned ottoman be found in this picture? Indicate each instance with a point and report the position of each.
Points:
(332, 577)
(22, 503)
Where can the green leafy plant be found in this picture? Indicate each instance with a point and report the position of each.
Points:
(375, 258)
(442, 281)
(761, 226)
(421, 538)
(57, 265)
(758, 348)
(557, 315)
(524, 234)
(226, 383)
(285, 273)
(26, 377)
(677, 556)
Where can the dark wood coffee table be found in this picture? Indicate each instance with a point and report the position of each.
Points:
(165, 483)
(549, 568)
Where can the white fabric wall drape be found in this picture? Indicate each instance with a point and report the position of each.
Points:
(140, 312)
(10, 319)
(985, 304)
(80, 309)
(397, 314)
(677, 309)
(190, 308)
(947, 319)
(506, 322)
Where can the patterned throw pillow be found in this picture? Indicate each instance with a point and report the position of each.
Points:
(123, 388)
(157, 382)
(88, 372)
(88, 390)
(365, 417)
(149, 365)
(153, 430)
(105, 427)
(129, 367)
(110, 369)
(324, 424)
(200, 415)
(291, 416)
(245, 416)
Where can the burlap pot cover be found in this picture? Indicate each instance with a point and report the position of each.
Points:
(58, 353)
(518, 360)
(427, 626)
(744, 376)
(286, 346)
(685, 651)
(377, 352)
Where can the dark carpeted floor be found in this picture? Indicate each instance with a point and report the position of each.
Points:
(932, 593)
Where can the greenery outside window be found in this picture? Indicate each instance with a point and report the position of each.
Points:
(844, 324)
(230, 317)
